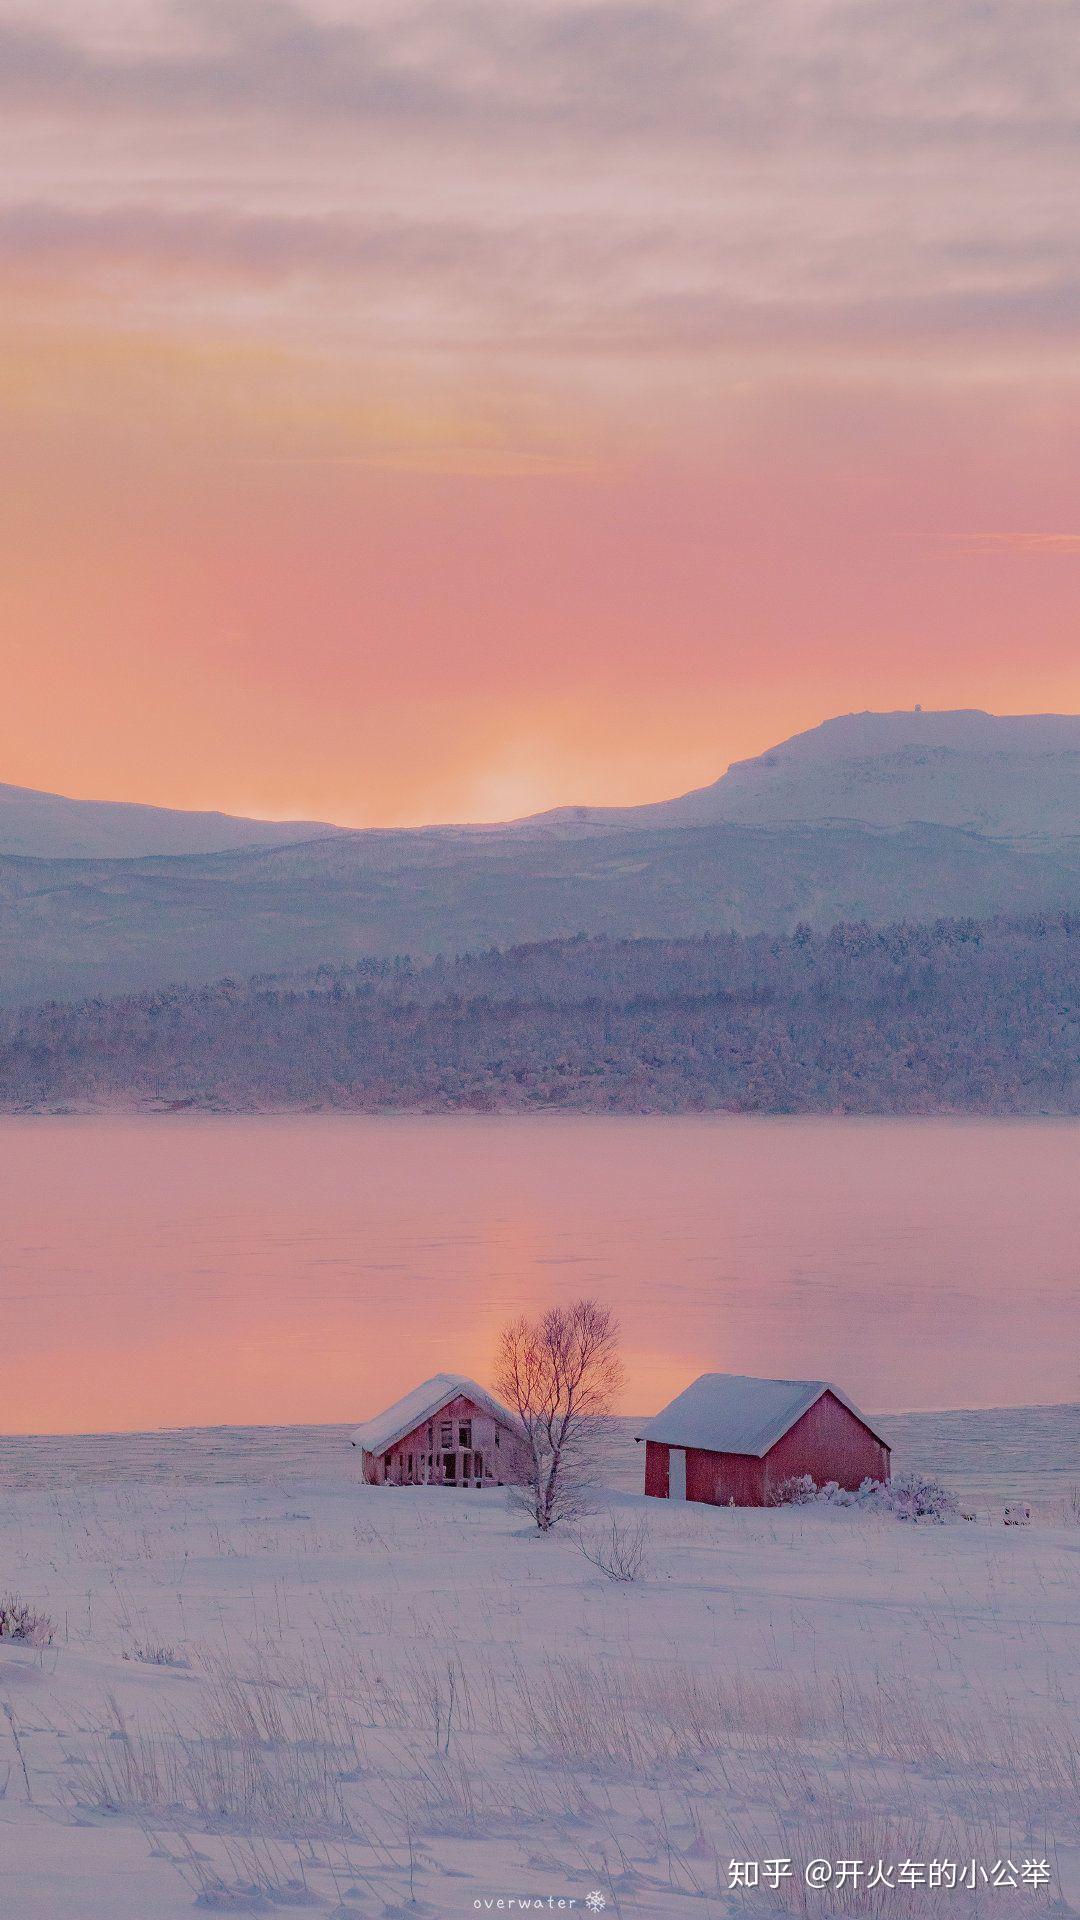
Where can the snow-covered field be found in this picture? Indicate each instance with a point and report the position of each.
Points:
(273, 1689)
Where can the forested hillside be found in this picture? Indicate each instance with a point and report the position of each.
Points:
(74, 927)
(958, 1016)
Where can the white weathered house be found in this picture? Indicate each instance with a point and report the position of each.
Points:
(448, 1432)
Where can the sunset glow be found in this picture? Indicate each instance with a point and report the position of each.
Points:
(423, 414)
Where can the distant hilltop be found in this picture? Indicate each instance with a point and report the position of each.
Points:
(49, 826)
(998, 774)
(872, 817)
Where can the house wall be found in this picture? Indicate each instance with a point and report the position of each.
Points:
(828, 1443)
(503, 1454)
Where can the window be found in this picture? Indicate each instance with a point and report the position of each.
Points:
(466, 1469)
(496, 1436)
(446, 1435)
(478, 1465)
(465, 1434)
(410, 1466)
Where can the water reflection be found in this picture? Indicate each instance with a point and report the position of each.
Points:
(182, 1271)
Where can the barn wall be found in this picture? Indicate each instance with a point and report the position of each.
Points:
(719, 1479)
(656, 1469)
(505, 1464)
(828, 1443)
(714, 1478)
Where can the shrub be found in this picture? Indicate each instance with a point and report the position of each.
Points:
(910, 1497)
(20, 1621)
(913, 1497)
(798, 1491)
(622, 1553)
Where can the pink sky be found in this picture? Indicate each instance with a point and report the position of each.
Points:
(437, 411)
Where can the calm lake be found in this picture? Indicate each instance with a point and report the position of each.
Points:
(180, 1271)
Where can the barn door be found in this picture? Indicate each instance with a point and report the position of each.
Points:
(676, 1473)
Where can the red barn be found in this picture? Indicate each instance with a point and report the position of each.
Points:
(732, 1440)
(448, 1432)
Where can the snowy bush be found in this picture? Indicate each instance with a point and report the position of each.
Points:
(911, 1497)
(20, 1621)
(834, 1495)
(798, 1491)
(914, 1497)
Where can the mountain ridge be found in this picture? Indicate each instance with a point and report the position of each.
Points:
(1008, 775)
(72, 928)
(861, 768)
(783, 844)
(37, 825)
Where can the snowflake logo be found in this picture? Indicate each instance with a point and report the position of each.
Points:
(595, 1902)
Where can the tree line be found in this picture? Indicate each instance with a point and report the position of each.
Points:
(952, 1016)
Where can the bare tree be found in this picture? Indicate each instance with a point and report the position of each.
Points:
(560, 1374)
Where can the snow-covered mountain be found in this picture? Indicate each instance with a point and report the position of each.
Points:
(874, 817)
(47, 826)
(1006, 776)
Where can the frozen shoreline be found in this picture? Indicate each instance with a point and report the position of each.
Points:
(988, 1454)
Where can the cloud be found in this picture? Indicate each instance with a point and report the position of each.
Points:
(270, 57)
(212, 241)
(616, 361)
(546, 284)
(610, 194)
(1043, 545)
(841, 73)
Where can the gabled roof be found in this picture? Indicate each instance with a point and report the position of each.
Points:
(734, 1413)
(423, 1403)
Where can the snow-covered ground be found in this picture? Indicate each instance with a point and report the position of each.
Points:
(274, 1689)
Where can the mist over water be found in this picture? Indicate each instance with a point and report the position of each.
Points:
(174, 1271)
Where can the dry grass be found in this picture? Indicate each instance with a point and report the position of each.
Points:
(280, 1749)
(220, 1776)
(365, 1735)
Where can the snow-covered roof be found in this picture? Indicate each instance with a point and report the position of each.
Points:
(734, 1413)
(423, 1403)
